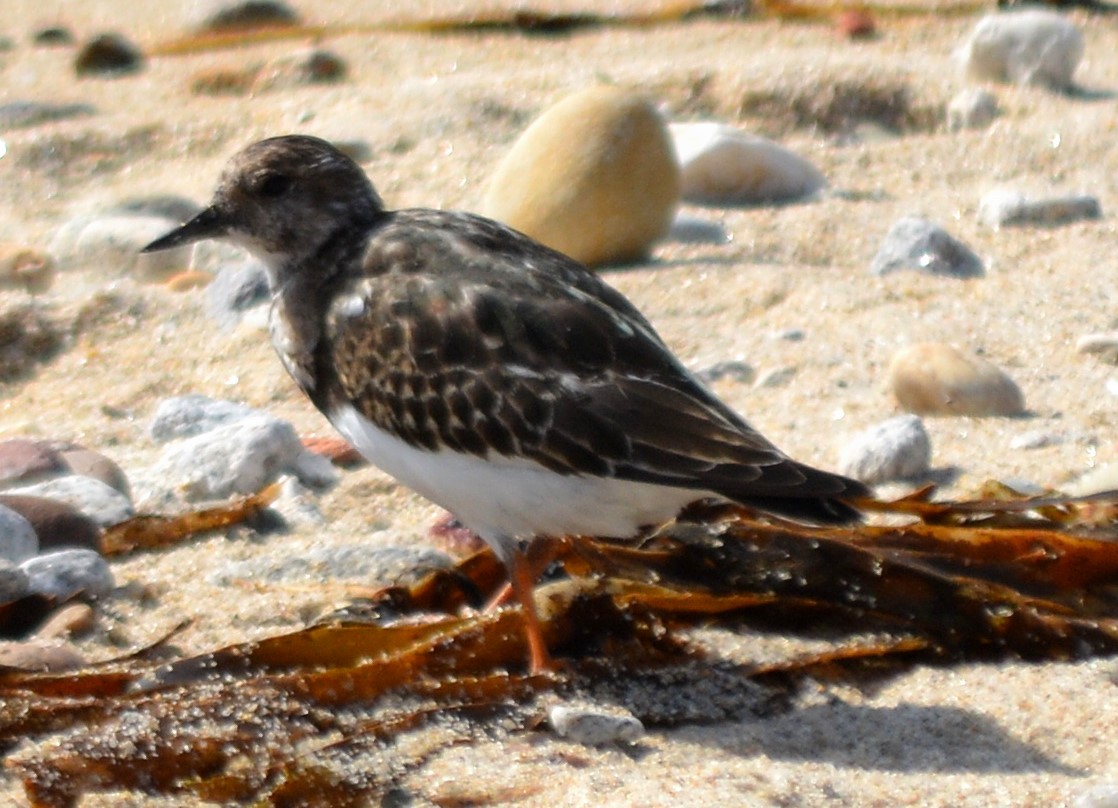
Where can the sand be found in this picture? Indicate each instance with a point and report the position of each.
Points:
(438, 112)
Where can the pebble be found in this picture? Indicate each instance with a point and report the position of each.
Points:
(893, 450)
(297, 505)
(306, 67)
(248, 16)
(188, 280)
(1036, 439)
(171, 207)
(111, 243)
(24, 461)
(25, 268)
(236, 287)
(938, 379)
(68, 573)
(53, 36)
(239, 458)
(918, 244)
(108, 55)
(855, 24)
(100, 502)
(67, 621)
(1002, 207)
(721, 165)
(21, 114)
(388, 566)
(40, 655)
(775, 377)
(594, 726)
(18, 541)
(89, 463)
(27, 337)
(972, 108)
(595, 176)
(1104, 346)
(688, 229)
(1032, 46)
(13, 581)
(734, 369)
(56, 523)
(193, 414)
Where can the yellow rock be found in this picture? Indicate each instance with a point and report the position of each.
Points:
(595, 177)
(935, 379)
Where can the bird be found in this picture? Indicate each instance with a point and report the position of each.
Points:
(498, 378)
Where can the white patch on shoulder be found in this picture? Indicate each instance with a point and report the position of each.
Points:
(350, 305)
(504, 498)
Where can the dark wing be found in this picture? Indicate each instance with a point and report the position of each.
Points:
(467, 335)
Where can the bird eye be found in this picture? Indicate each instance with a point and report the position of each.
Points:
(273, 185)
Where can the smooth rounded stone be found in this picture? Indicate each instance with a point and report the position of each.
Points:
(1096, 481)
(789, 334)
(25, 460)
(734, 369)
(937, 379)
(1100, 795)
(13, 581)
(1002, 207)
(21, 114)
(1104, 346)
(388, 566)
(918, 244)
(721, 165)
(306, 67)
(595, 177)
(1037, 439)
(56, 523)
(88, 463)
(239, 458)
(102, 503)
(1032, 46)
(193, 414)
(854, 23)
(25, 268)
(594, 726)
(693, 230)
(775, 377)
(67, 621)
(18, 541)
(44, 656)
(108, 55)
(67, 573)
(226, 17)
(111, 243)
(972, 108)
(896, 449)
(236, 287)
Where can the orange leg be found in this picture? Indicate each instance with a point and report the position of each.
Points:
(523, 579)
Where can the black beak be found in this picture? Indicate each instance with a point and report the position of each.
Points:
(210, 223)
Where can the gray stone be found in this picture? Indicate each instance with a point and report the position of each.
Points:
(972, 108)
(594, 726)
(1002, 207)
(918, 244)
(189, 415)
(896, 449)
(239, 458)
(13, 582)
(734, 369)
(237, 286)
(20, 114)
(111, 244)
(18, 540)
(68, 573)
(1031, 46)
(100, 502)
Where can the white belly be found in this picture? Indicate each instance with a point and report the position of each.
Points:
(503, 498)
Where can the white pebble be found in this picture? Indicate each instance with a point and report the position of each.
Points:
(69, 572)
(593, 726)
(972, 108)
(18, 539)
(1104, 345)
(1036, 439)
(111, 244)
(185, 416)
(1002, 207)
(918, 244)
(775, 377)
(721, 165)
(896, 449)
(1031, 46)
(100, 502)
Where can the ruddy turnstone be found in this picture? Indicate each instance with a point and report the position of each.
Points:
(496, 377)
